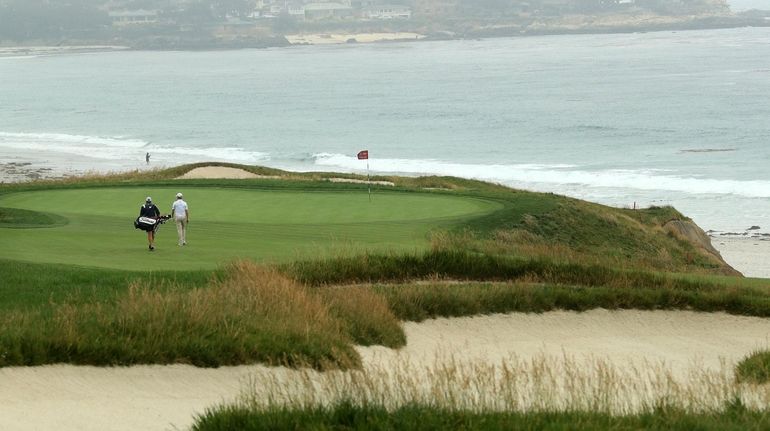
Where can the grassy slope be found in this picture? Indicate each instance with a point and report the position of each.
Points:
(553, 224)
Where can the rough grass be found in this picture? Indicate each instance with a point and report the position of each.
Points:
(466, 265)
(648, 248)
(251, 315)
(365, 314)
(417, 302)
(420, 417)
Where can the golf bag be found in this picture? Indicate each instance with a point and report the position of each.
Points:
(150, 224)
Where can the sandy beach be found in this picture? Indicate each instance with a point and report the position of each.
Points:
(16, 168)
(682, 344)
(749, 255)
(24, 51)
(338, 38)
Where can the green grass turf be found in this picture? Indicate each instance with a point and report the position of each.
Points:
(227, 223)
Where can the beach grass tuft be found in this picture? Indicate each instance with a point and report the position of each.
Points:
(365, 314)
(754, 368)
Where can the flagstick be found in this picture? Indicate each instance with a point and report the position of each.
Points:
(367, 180)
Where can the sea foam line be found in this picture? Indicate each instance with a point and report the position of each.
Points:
(556, 174)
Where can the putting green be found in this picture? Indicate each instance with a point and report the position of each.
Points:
(225, 224)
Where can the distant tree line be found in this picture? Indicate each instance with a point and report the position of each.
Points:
(508, 7)
(43, 19)
(51, 19)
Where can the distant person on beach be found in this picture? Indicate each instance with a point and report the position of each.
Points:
(147, 158)
(181, 216)
(151, 211)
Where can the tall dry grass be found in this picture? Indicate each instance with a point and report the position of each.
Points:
(366, 315)
(252, 314)
(544, 383)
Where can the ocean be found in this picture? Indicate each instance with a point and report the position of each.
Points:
(660, 118)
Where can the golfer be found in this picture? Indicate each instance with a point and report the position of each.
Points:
(150, 210)
(181, 216)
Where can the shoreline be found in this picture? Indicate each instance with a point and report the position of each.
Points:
(563, 25)
(41, 50)
(336, 38)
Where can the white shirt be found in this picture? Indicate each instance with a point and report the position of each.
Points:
(179, 208)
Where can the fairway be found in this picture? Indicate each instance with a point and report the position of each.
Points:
(226, 224)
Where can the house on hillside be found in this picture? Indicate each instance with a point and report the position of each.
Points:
(387, 12)
(435, 8)
(363, 4)
(319, 11)
(133, 17)
(296, 11)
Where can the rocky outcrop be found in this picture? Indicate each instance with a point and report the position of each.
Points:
(689, 231)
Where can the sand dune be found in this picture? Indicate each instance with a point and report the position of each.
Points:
(211, 172)
(66, 397)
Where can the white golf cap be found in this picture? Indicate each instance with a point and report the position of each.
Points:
(178, 195)
(149, 199)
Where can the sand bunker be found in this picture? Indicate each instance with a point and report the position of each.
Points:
(210, 172)
(355, 181)
(159, 397)
(216, 172)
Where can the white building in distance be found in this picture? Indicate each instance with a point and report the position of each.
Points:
(387, 11)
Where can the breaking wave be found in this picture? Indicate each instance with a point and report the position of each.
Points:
(553, 174)
(118, 150)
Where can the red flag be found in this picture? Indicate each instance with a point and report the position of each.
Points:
(363, 155)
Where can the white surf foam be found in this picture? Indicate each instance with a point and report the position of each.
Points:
(556, 175)
(114, 152)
